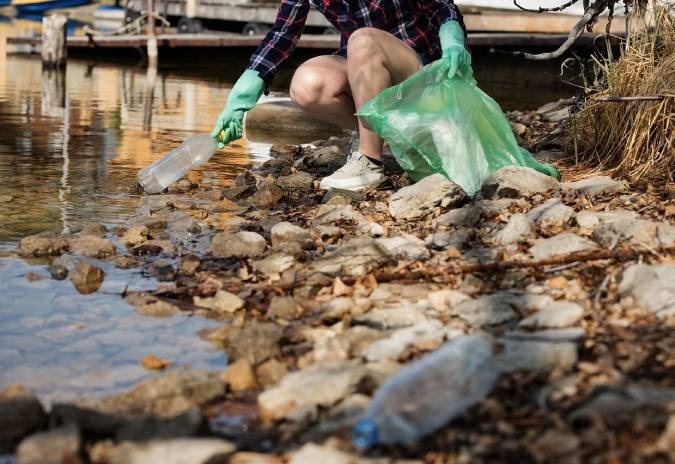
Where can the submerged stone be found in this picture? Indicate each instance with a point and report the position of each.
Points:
(87, 278)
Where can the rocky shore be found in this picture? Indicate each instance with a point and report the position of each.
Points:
(323, 296)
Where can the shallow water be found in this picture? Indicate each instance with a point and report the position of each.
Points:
(72, 160)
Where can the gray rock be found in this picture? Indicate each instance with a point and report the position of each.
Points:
(596, 186)
(590, 219)
(267, 196)
(92, 246)
(330, 157)
(135, 235)
(313, 454)
(498, 307)
(425, 332)
(555, 315)
(285, 232)
(20, 415)
(497, 207)
(569, 334)
(87, 278)
(274, 265)
(330, 213)
(443, 239)
(222, 302)
(516, 182)
(420, 199)
(467, 216)
(55, 446)
(356, 257)
(562, 244)
(238, 245)
(300, 180)
(651, 286)
(321, 384)
(174, 451)
(521, 355)
(405, 246)
(166, 395)
(651, 233)
(518, 229)
(392, 318)
(552, 213)
(617, 405)
(67, 261)
(44, 244)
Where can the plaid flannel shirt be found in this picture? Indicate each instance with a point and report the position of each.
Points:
(415, 22)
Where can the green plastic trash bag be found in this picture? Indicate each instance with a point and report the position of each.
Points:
(438, 125)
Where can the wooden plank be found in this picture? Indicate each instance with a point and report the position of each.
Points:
(505, 40)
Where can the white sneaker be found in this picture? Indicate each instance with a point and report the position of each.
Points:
(357, 173)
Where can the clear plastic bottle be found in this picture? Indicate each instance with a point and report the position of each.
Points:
(193, 152)
(430, 392)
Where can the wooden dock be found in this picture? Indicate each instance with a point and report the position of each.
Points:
(307, 41)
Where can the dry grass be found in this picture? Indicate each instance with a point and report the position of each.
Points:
(634, 139)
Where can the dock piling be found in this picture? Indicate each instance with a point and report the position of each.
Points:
(54, 51)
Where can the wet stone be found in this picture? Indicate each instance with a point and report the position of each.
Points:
(238, 245)
(55, 446)
(153, 248)
(44, 244)
(92, 246)
(222, 302)
(135, 235)
(57, 271)
(20, 415)
(516, 182)
(422, 198)
(87, 278)
(559, 245)
(94, 229)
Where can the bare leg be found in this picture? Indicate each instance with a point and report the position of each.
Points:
(321, 88)
(376, 60)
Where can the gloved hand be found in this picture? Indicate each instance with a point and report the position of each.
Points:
(454, 50)
(243, 96)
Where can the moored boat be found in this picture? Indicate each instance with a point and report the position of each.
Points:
(32, 7)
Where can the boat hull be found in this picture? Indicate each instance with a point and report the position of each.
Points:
(41, 7)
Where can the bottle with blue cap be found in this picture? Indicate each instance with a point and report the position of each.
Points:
(429, 393)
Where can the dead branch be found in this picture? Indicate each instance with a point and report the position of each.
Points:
(590, 16)
(546, 10)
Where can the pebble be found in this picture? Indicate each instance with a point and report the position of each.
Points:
(223, 302)
(551, 214)
(238, 245)
(405, 246)
(87, 278)
(285, 232)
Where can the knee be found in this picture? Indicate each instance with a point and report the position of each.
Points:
(307, 86)
(363, 45)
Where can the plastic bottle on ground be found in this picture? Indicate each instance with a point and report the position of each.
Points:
(428, 393)
(193, 152)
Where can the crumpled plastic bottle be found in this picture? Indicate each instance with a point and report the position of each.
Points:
(192, 153)
(427, 394)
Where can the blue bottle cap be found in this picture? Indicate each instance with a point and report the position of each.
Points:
(365, 434)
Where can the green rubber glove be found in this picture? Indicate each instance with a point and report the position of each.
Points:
(454, 50)
(243, 96)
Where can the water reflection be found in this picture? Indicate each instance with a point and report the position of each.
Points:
(70, 146)
(71, 143)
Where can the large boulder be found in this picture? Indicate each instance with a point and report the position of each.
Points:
(420, 199)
